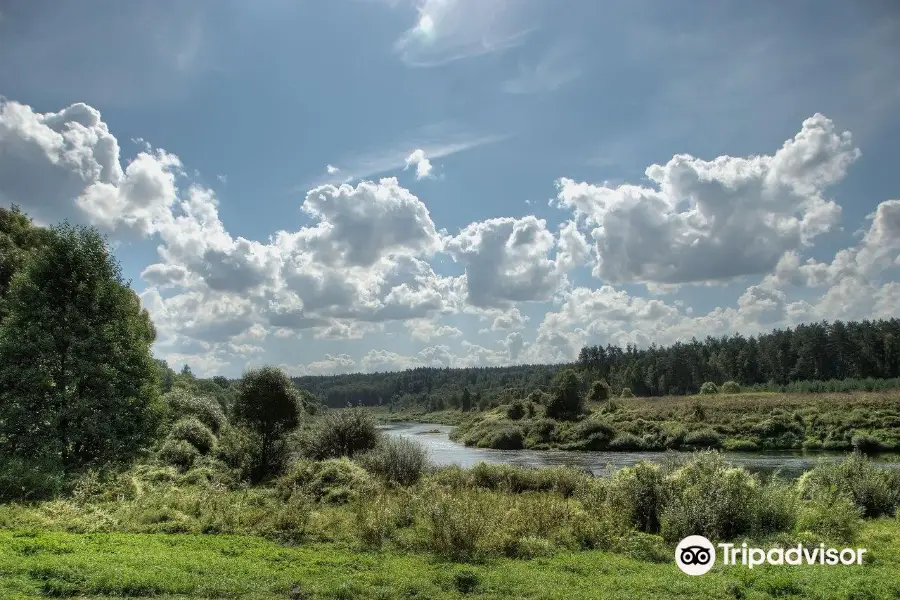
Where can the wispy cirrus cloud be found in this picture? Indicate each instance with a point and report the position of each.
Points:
(552, 71)
(396, 157)
(449, 30)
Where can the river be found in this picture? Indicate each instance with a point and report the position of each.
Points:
(443, 451)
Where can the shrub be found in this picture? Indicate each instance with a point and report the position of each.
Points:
(398, 461)
(565, 401)
(541, 431)
(23, 479)
(864, 442)
(195, 433)
(507, 437)
(838, 519)
(703, 438)
(334, 481)
(341, 433)
(599, 391)
(592, 434)
(637, 494)
(626, 393)
(626, 441)
(709, 498)
(874, 490)
(709, 388)
(465, 581)
(731, 387)
(179, 453)
(516, 410)
(375, 520)
(182, 402)
(236, 448)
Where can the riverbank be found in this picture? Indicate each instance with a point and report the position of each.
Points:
(740, 422)
(41, 564)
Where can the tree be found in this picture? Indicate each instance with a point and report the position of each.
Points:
(466, 402)
(269, 405)
(18, 239)
(599, 391)
(565, 401)
(78, 383)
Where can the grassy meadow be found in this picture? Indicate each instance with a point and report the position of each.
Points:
(868, 421)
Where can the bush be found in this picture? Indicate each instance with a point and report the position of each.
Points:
(508, 437)
(626, 441)
(599, 391)
(626, 393)
(334, 481)
(874, 490)
(703, 438)
(838, 520)
(709, 498)
(516, 410)
(236, 447)
(565, 401)
(182, 402)
(709, 388)
(637, 494)
(195, 433)
(863, 442)
(179, 453)
(731, 387)
(592, 434)
(398, 461)
(465, 581)
(341, 433)
(23, 479)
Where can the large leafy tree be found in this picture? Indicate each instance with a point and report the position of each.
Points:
(18, 239)
(78, 383)
(268, 403)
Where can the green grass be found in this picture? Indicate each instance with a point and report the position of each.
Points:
(41, 564)
(747, 421)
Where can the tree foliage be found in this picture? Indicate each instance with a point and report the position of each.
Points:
(269, 405)
(566, 401)
(78, 383)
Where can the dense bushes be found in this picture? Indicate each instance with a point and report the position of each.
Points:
(23, 479)
(736, 422)
(873, 490)
(709, 388)
(397, 461)
(182, 402)
(340, 433)
(194, 432)
(731, 387)
(471, 514)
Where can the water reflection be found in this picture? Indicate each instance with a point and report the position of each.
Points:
(443, 451)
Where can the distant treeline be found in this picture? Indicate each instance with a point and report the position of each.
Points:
(782, 359)
(838, 356)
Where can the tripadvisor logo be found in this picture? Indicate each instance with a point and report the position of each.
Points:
(696, 555)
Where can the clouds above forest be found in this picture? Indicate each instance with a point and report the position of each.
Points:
(366, 265)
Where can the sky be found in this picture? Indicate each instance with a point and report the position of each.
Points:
(374, 185)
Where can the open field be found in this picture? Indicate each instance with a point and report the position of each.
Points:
(757, 421)
(42, 564)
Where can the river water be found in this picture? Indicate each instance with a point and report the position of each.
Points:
(443, 451)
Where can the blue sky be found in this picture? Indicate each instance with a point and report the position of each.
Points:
(525, 219)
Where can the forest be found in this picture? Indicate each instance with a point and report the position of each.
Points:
(827, 357)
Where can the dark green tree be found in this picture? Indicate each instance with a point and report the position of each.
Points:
(466, 402)
(565, 400)
(270, 406)
(18, 239)
(78, 383)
